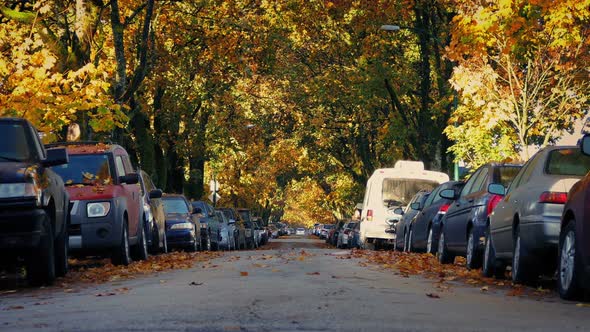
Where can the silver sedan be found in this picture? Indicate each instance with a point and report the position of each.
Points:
(523, 230)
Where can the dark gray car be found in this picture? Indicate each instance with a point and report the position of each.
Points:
(402, 227)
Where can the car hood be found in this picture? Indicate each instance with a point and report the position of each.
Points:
(177, 217)
(14, 172)
(90, 192)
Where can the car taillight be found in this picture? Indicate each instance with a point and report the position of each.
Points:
(553, 197)
(494, 200)
(369, 215)
(444, 208)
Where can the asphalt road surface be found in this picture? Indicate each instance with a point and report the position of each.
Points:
(295, 286)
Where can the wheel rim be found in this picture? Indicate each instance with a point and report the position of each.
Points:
(441, 244)
(405, 242)
(567, 260)
(516, 261)
(487, 254)
(208, 243)
(410, 240)
(126, 244)
(165, 244)
(144, 242)
(470, 249)
(429, 243)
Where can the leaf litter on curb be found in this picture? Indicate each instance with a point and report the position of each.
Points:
(426, 265)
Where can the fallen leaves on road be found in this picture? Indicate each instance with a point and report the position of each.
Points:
(193, 283)
(101, 270)
(244, 274)
(426, 265)
(313, 273)
(433, 295)
(118, 291)
(14, 307)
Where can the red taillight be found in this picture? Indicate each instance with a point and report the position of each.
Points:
(444, 208)
(494, 200)
(369, 215)
(553, 197)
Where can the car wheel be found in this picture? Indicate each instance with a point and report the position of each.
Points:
(473, 258)
(141, 249)
(521, 272)
(489, 257)
(208, 242)
(41, 263)
(443, 254)
(61, 253)
(405, 249)
(410, 240)
(430, 247)
(164, 249)
(121, 254)
(569, 268)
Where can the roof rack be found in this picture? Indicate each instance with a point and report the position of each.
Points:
(51, 145)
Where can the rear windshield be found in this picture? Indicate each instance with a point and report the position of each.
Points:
(13, 143)
(567, 162)
(86, 169)
(175, 205)
(328, 226)
(507, 174)
(400, 191)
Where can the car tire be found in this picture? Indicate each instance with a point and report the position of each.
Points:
(141, 248)
(121, 255)
(41, 263)
(405, 248)
(490, 264)
(473, 257)
(195, 246)
(522, 273)
(569, 272)
(62, 247)
(164, 249)
(430, 244)
(410, 240)
(443, 254)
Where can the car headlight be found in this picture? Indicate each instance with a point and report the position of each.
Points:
(22, 189)
(98, 209)
(182, 225)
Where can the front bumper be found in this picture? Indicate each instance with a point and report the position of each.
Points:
(180, 237)
(94, 233)
(21, 228)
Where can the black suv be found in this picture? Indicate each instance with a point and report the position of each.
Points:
(33, 203)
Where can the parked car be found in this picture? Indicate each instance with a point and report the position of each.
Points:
(183, 228)
(106, 212)
(401, 228)
(209, 224)
(153, 212)
(225, 233)
(388, 189)
(316, 229)
(524, 228)
(262, 234)
(325, 230)
(251, 240)
(573, 272)
(334, 232)
(274, 231)
(33, 203)
(425, 225)
(355, 236)
(300, 231)
(463, 227)
(344, 234)
(237, 224)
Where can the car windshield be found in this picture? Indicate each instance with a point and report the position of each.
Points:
(507, 174)
(569, 161)
(400, 191)
(13, 143)
(245, 215)
(86, 169)
(175, 205)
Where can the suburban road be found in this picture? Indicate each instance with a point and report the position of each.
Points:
(295, 286)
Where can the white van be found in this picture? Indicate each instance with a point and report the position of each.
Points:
(388, 189)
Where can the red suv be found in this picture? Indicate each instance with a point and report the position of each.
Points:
(105, 201)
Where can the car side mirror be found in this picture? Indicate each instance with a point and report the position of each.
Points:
(585, 144)
(416, 206)
(399, 211)
(156, 193)
(56, 157)
(497, 189)
(131, 178)
(449, 194)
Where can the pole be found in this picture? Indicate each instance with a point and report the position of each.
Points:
(214, 191)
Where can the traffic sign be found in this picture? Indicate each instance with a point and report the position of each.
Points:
(213, 186)
(214, 199)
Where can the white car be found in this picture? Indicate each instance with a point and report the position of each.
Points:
(300, 231)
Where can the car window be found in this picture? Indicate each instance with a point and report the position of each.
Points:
(13, 142)
(175, 205)
(506, 174)
(531, 166)
(434, 196)
(567, 162)
(127, 164)
(467, 189)
(480, 181)
(37, 142)
(119, 166)
(400, 191)
(85, 169)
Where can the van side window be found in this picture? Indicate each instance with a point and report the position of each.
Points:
(119, 166)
